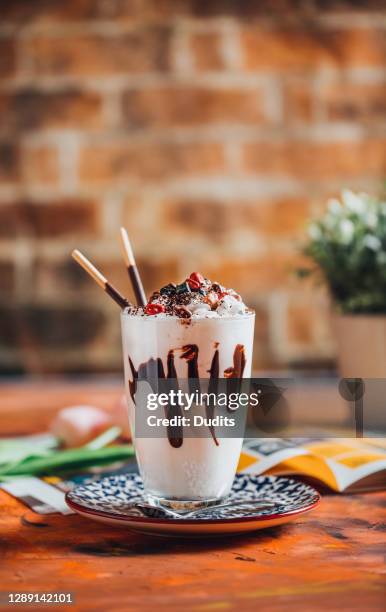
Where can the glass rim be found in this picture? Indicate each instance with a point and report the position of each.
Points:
(140, 317)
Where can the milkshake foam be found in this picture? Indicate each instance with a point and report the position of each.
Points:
(196, 297)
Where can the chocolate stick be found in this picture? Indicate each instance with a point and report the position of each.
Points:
(132, 269)
(100, 279)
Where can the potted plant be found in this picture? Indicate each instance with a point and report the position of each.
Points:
(348, 246)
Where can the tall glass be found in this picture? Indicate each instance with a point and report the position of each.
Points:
(198, 471)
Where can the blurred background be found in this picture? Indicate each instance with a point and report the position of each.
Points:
(212, 130)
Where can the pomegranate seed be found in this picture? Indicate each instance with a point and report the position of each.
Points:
(197, 277)
(153, 309)
(193, 284)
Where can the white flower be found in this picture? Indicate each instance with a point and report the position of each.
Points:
(372, 242)
(371, 219)
(356, 203)
(381, 258)
(346, 228)
(314, 231)
(334, 206)
(331, 221)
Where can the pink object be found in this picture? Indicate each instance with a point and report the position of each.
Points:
(119, 416)
(77, 425)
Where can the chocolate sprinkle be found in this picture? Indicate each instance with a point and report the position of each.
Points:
(182, 312)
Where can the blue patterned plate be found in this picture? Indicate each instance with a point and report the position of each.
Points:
(112, 500)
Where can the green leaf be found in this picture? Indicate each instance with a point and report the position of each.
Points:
(69, 459)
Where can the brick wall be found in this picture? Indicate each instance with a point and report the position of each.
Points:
(211, 130)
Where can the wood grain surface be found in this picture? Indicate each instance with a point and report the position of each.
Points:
(330, 559)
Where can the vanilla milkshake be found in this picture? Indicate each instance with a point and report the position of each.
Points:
(197, 329)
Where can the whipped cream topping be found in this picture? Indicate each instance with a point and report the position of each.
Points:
(195, 298)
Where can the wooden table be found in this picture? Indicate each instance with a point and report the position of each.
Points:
(331, 559)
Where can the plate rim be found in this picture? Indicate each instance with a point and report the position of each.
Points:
(157, 520)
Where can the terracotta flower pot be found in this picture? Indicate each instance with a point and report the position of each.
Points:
(361, 345)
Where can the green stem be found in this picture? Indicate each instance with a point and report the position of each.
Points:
(67, 459)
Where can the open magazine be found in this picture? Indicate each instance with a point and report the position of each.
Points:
(350, 465)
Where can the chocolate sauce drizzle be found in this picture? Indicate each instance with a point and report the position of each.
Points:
(153, 369)
(212, 388)
(190, 354)
(236, 371)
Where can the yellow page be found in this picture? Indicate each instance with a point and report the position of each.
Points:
(307, 465)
